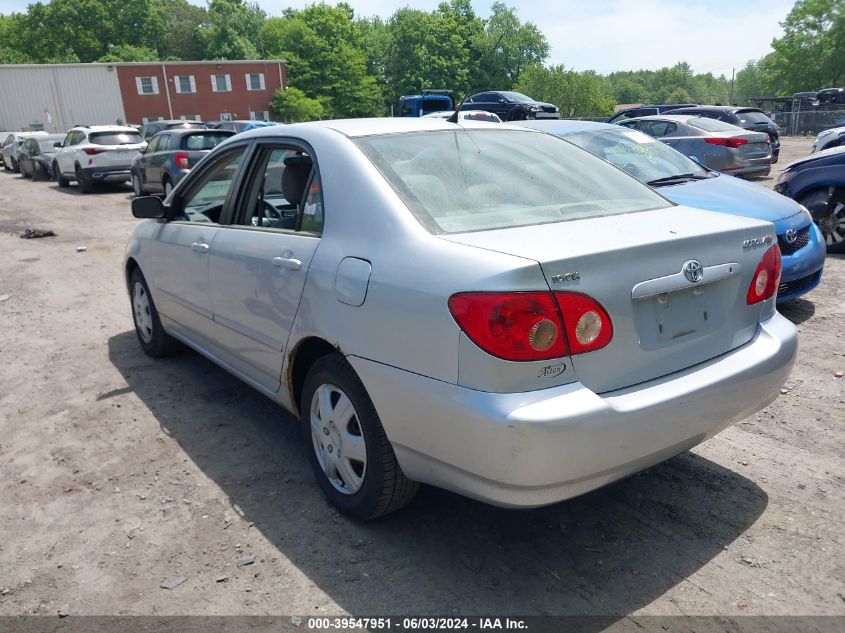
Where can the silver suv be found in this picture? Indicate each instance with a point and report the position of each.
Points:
(102, 153)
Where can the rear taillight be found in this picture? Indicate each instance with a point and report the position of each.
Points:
(531, 326)
(764, 283)
(93, 151)
(588, 326)
(733, 141)
(182, 161)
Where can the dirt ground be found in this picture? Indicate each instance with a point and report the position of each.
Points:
(119, 472)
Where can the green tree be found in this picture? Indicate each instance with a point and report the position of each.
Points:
(231, 32)
(293, 105)
(811, 53)
(751, 81)
(326, 58)
(182, 23)
(129, 53)
(576, 94)
(506, 47)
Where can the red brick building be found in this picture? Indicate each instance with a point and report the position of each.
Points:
(203, 90)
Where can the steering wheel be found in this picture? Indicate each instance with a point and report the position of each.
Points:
(270, 211)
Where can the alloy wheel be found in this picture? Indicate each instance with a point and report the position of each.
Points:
(338, 439)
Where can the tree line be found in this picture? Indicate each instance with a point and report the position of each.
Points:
(341, 65)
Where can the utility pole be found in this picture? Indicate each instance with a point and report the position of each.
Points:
(733, 74)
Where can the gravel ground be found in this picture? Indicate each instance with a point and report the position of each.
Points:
(120, 472)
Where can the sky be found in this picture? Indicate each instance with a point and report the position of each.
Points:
(711, 35)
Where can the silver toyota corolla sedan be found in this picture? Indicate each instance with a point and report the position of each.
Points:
(488, 309)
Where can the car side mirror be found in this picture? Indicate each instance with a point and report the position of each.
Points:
(148, 207)
(57, 144)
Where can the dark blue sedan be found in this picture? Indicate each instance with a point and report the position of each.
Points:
(686, 182)
(818, 182)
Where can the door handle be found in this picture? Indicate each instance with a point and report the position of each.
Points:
(287, 263)
(199, 247)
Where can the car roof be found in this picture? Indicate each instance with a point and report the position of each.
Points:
(563, 126)
(105, 128)
(682, 118)
(172, 121)
(354, 128)
(186, 131)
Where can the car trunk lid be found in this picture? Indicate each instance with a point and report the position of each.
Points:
(632, 265)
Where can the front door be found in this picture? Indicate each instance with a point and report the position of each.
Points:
(259, 263)
(179, 252)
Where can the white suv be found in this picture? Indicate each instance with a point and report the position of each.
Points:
(99, 153)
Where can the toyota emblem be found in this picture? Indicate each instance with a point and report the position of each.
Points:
(790, 236)
(693, 271)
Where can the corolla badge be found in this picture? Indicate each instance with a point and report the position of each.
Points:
(693, 271)
(790, 236)
(757, 241)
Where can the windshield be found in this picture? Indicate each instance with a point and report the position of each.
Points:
(474, 180)
(115, 138)
(518, 97)
(640, 155)
(49, 145)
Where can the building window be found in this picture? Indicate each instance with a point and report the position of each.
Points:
(255, 81)
(147, 85)
(191, 117)
(221, 83)
(185, 83)
(225, 116)
(259, 116)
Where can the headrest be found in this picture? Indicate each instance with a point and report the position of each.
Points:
(295, 177)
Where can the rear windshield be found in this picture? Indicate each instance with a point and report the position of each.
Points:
(209, 140)
(436, 105)
(476, 180)
(752, 116)
(712, 125)
(115, 138)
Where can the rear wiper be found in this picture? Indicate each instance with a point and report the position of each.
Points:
(675, 178)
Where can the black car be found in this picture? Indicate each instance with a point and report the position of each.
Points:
(170, 155)
(753, 119)
(35, 156)
(818, 182)
(234, 126)
(649, 109)
(149, 130)
(511, 106)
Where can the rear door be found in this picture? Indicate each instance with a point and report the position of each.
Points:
(259, 264)
(155, 160)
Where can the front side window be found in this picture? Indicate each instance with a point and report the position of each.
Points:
(640, 155)
(205, 198)
(474, 180)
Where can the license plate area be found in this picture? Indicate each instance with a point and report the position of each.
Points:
(670, 318)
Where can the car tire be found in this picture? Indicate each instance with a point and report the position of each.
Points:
(151, 335)
(83, 183)
(827, 206)
(24, 173)
(15, 166)
(136, 186)
(57, 174)
(376, 485)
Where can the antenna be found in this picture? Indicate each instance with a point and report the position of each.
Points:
(454, 117)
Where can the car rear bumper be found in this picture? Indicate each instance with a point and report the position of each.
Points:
(540, 447)
(121, 173)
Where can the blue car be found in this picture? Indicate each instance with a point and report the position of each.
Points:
(684, 181)
(818, 182)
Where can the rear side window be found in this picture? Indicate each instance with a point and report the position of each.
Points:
(475, 180)
(115, 138)
(203, 141)
(711, 125)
